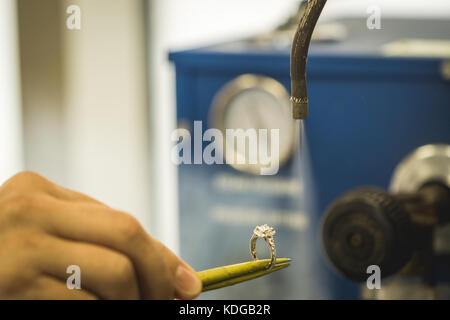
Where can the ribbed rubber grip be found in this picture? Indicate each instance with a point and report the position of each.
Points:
(365, 227)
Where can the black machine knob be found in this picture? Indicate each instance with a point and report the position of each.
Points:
(365, 227)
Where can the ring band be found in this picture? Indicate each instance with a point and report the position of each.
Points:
(266, 233)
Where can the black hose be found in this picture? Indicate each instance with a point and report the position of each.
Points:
(299, 57)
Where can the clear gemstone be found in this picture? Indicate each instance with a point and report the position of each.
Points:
(264, 231)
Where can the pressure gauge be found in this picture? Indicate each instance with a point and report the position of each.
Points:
(258, 107)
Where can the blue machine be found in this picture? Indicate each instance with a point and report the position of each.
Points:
(367, 112)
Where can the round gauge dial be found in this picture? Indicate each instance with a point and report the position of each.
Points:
(252, 103)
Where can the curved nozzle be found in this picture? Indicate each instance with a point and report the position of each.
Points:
(299, 56)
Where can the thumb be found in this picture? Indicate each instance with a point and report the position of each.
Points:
(187, 284)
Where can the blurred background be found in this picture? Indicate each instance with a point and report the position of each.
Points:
(93, 109)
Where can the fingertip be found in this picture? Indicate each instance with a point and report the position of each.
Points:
(187, 284)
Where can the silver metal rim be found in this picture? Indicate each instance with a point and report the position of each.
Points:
(427, 163)
(270, 243)
(233, 88)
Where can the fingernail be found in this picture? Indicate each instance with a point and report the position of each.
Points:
(187, 282)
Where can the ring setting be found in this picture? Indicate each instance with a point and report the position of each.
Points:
(265, 233)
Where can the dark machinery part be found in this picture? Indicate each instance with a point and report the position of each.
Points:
(368, 226)
(299, 57)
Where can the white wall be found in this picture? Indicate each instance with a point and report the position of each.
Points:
(187, 23)
(85, 110)
(192, 22)
(390, 8)
(105, 93)
(41, 84)
(11, 157)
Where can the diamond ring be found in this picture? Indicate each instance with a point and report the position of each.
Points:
(266, 233)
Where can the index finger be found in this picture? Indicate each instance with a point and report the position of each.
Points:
(28, 181)
(97, 224)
